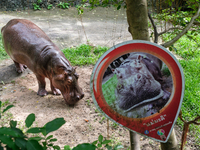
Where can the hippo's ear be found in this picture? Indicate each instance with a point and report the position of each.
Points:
(60, 74)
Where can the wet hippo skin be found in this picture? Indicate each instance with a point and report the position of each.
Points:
(28, 46)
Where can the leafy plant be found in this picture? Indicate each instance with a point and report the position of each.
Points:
(103, 143)
(36, 6)
(63, 5)
(49, 6)
(13, 137)
(80, 9)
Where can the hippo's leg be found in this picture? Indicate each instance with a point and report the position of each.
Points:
(41, 84)
(54, 90)
(19, 67)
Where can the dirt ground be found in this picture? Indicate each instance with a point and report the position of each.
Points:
(83, 123)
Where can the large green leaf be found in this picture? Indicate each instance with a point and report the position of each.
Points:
(35, 130)
(9, 131)
(8, 107)
(29, 120)
(37, 138)
(54, 125)
(19, 132)
(8, 141)
(33, 145)
(85, 146)
(21, 143)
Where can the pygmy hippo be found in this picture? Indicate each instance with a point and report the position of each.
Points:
(28, 46)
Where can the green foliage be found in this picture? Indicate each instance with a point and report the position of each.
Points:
(84, 54)
(3, 53)
(103, 143)
(180, 18)
(187, 46)
(49, 6)
(36, 6)
(14, 138)
(63, 5)
(80, 9)
(191, 106)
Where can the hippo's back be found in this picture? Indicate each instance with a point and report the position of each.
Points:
(24, 41)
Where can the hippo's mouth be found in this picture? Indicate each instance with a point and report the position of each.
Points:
(147, 101)
(72, 100)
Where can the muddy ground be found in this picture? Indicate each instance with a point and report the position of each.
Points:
(83, 123)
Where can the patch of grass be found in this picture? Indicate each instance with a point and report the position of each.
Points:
(189, 49)
(108, 90)
(3, 54)
(191, 101)
(192, 88)
(81, 55)
(187, 46)
(84, 54)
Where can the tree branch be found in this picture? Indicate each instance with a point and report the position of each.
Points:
(169, 43)
(195, 121)
(154, 27)
(173, 28)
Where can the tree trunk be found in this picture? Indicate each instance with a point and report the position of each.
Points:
(134, 141)
(171, 144)
(137, 17)
(138, 27)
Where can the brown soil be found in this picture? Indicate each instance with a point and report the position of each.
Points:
(83, 122)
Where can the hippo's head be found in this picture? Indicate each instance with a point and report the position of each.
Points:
(136, 84)
(67, 82)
